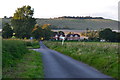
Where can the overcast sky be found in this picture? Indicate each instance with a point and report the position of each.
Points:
(56, 8)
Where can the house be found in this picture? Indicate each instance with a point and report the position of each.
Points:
(57, 37)
(73, 37)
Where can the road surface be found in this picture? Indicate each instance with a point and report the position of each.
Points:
(57, 65)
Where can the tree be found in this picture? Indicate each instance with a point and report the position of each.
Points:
(91, 34)
(47, 31)
(37, 33)
(5, 16)
(24, 12)
(107, 34)
(7, 31)
(43, 31)
(23, 22)
(118, 37)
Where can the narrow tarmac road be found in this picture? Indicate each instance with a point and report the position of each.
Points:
(57, 65)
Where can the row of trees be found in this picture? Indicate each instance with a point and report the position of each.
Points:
(23, 25)
(105, 34)
(81, 17)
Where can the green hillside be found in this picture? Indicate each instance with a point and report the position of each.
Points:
(76, 24)
(80, 24)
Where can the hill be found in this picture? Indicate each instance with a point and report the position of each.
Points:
(74, 23)
(80, 24)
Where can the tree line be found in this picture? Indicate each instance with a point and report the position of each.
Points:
(81, 17)
(104, 34)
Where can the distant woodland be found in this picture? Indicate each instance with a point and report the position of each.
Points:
(81, 17)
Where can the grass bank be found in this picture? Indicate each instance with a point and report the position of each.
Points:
(102, 56)
(12, 50)
(19, 62)
(30, 66)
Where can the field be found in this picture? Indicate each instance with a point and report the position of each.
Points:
(102, 56)
(20, 62)
(80, 24)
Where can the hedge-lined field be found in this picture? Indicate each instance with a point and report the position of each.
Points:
(102, 56)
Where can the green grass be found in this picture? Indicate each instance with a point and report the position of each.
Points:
(102, 56)
(12, 50)
(19, 62)
(29, 67)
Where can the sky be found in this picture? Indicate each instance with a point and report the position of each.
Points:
(57, 8)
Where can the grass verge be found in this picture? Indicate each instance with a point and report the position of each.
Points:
(12, 50)
(30, 66)
(32, 44)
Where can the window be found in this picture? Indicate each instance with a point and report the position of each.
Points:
(71, 35)
(76, 35)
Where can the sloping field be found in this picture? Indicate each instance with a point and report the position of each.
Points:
(75, 24)
(81, 24)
